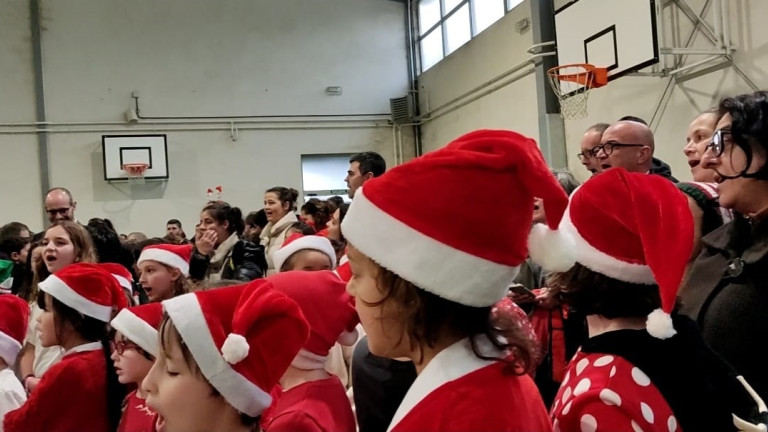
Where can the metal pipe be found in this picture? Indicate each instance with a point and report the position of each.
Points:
(694, 65)
(187, 129)
(37, 62)
(191, 122)
(726, 26)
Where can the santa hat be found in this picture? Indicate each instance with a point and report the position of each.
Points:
(176, 256)
(631, 227)
(329, 310)
(14, 314)
(121, 274)
(139, 324)
(242, 337)
(298, 242)
(472, 256)
(86, 288)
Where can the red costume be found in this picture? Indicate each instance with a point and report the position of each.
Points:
(137, 416)
(315, 406)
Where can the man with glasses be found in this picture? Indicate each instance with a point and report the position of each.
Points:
(59, 205)
(589, 141)
(628, 144)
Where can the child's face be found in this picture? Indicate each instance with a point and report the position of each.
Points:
(183, 399)
(157, 280)
(46, 325)
(59, 251)
(310, 260)
(334, 226)
(381, 322)
(130, 364)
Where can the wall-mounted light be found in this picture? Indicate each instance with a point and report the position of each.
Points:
(131, 116)
(333, 91)
(523, 25)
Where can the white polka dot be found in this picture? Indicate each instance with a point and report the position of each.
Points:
(556, 426)
(672, 424)
(610, 397)
(647, 412)
(557, 402)
(566, 395)
(604, 361)
(581, 365)
(582, 386)
(636, 427)
(588, 423)
(613, 371)
(567, 408)
(640, 377)
(565, 379)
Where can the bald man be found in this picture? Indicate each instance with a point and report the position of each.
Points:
(630, 145)
(59, 205)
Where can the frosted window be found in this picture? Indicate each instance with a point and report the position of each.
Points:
(487, 12)
(431, 49)
(457, 29)
(451, 5)
(429, 14)
(324, 173)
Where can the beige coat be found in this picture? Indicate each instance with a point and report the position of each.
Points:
(273, 236)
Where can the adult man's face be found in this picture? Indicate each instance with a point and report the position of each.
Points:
(625, 149)
(173, 230)
(590, 140)
(59, 206)
(355, 179)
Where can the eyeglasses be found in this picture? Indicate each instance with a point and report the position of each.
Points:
(121, 346)
(609, 146)
(718, 142)
(62, 211)
(585, 155)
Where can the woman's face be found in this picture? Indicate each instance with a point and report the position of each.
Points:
(209, 223)
(334, 226)
(274, 209)
(157, 280)
(59, 251)
(699, 136)
(745, 195)
(131, 366)
(46, 325)
(386, 334)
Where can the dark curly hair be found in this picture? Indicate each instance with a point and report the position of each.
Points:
(749, 127)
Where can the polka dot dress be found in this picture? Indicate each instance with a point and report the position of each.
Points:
(606, 393)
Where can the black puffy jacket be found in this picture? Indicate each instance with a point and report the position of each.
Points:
(246, 263)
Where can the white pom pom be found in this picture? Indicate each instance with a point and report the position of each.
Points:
(659, 325)
(235, 348)
(553, 250)
(348, 338)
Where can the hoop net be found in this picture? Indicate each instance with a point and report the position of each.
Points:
(571, 84)
(135, 172)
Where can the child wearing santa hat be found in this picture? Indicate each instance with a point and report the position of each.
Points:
(305, 253)
(311, 399)
(164, 270)
(80, 392)
(623, 246)
(133, 351)
(220, 354)
(424, 290)
(14, 313)
(125, 279)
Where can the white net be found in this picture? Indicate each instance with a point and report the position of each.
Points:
(135, 173)
(571, 85)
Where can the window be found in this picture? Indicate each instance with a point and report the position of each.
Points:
(446, 25)
(323, 175)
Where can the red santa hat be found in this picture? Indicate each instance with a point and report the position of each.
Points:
(329, 310)
(86, 288)
(242, 337)
(14, 314)
(298, 242)
(408, 220)
(176, 256)
(121, 274)
(631, 227)
(139, 324)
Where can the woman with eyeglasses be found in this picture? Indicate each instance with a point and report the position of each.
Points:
(727, 288)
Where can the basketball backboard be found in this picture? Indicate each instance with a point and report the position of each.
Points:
(619, 35)
(131, 149)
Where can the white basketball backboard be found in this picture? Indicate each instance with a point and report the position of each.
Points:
(129, 149)
(619, 35)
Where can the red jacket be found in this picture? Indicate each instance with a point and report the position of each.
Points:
(315, 406)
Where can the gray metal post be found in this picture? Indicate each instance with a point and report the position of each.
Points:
(37, 61)
(551, 127)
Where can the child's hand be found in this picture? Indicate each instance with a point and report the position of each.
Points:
(31, 383)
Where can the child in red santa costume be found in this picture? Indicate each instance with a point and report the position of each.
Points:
(623, 246)
(14, 313)
(311, 398)
(80, 392)
(424, 289)
(305, 253)
(220, 354)
(134, 351)
(164, 270)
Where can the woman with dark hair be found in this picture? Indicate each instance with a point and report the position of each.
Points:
(279, 205)
(727, 289)
(219, 253)
(316, 214)
(254, 223)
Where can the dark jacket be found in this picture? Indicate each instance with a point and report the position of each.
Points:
(246, 263)
(727, 294)
(659, 167)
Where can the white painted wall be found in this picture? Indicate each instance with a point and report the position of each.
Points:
(514, 107)
(196, 58)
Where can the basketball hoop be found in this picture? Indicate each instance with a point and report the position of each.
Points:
(572, 83)
(135, 172)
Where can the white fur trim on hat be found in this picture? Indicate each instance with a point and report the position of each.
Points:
(125, 283)
(659, 325)
(239, 391)
(165, 257)
(553, 250)
(600, 262)
(9, 348)
(429, 264)
(235, 348)
(306, 360)
(136, 330)
(312, 242)
(63, 293)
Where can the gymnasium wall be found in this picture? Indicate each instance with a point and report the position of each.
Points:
(193, 58)
(514, 106)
